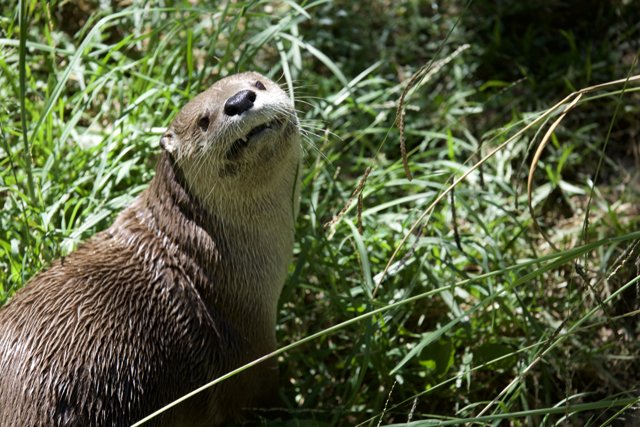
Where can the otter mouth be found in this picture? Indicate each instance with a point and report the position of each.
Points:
(240, 144)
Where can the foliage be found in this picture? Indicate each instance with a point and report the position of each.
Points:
(478, 317)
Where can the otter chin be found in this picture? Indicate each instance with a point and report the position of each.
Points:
(181, 289)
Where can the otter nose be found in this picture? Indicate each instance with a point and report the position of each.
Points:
(239, 103)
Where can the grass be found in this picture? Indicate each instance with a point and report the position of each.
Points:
(449, 307)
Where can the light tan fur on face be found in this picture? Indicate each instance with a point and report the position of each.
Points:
(266, 163)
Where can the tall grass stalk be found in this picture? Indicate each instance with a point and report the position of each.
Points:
(22, 66)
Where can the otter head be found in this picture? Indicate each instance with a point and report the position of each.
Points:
(239, 136)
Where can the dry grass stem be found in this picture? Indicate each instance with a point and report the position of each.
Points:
(356, 194)
(423, 75)
(534, 163)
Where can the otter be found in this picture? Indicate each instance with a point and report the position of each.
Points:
(182, 288)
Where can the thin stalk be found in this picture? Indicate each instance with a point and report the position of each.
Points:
(23, 108)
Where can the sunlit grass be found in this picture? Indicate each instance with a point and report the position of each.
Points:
(449, 308)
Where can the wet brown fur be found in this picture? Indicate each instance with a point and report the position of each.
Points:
(180, 289)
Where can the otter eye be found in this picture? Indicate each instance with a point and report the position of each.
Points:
(259, 85)
(203, 123)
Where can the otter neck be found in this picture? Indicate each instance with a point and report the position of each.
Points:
(261, 195)
(237, 255)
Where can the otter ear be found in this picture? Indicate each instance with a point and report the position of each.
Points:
(169, 142)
